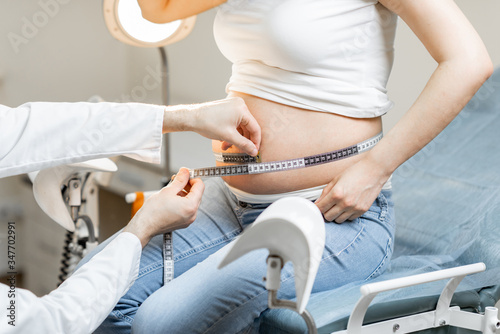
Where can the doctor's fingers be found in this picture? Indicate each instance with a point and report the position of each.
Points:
(251, 129)
(196, 189)
(183, 186)
(179, 181)
(244, 144)
(188, 204)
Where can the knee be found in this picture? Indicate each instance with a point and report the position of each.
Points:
(115, 323)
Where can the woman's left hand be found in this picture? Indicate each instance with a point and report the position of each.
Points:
(350, 194)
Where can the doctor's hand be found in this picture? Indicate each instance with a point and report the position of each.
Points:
(228, 120)
(350, 194)
(174, 207)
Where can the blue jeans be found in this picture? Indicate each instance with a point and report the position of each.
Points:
(203, 299)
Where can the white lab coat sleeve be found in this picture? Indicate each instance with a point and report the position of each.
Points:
(83, 301)
(39, 135)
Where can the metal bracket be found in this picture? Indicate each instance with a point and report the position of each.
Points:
(273, 281)
(441, 316)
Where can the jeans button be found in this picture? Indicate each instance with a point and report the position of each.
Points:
(243, 204)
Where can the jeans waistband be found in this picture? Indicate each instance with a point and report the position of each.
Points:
(309, 194)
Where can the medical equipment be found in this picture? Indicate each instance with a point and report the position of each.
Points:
(292, 229)
(68, 195)
(125, 23)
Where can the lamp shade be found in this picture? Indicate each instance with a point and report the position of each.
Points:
(125, 22)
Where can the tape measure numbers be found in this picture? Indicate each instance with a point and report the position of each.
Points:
(252, 165)
(168, 258)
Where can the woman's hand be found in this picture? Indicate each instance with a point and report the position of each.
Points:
(351, 193)
(174, 207)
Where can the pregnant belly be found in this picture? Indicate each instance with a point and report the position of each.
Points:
(288, 133)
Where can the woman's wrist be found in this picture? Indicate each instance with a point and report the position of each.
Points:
(379, 164)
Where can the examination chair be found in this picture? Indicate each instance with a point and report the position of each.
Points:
(447, 202)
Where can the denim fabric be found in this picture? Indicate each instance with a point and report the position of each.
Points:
(204, 299)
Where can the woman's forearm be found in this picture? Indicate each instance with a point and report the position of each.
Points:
(163, 11)
(449, 89)
(464, 65)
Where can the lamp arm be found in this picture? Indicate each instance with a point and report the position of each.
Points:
(165, 94)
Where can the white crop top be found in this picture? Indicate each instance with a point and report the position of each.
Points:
(324, 55)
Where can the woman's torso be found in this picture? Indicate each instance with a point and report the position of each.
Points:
(313, 73)
(288, 133)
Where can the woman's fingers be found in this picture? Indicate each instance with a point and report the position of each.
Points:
(331, 214)
(336, 205)
(339, 214)
(319, 202)
(345, 216)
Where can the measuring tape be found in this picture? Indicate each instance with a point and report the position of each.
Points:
(168, 258)
(253, 165)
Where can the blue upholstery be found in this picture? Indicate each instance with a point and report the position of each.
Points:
(447, 201)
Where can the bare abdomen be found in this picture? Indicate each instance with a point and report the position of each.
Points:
(288, 133)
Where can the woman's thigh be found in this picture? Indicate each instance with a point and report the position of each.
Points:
(209, 300)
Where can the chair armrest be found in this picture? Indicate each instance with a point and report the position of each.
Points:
(369, 291)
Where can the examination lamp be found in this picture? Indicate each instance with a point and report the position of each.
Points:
(125, 22)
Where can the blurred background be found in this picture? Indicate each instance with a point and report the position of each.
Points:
(70, 56)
